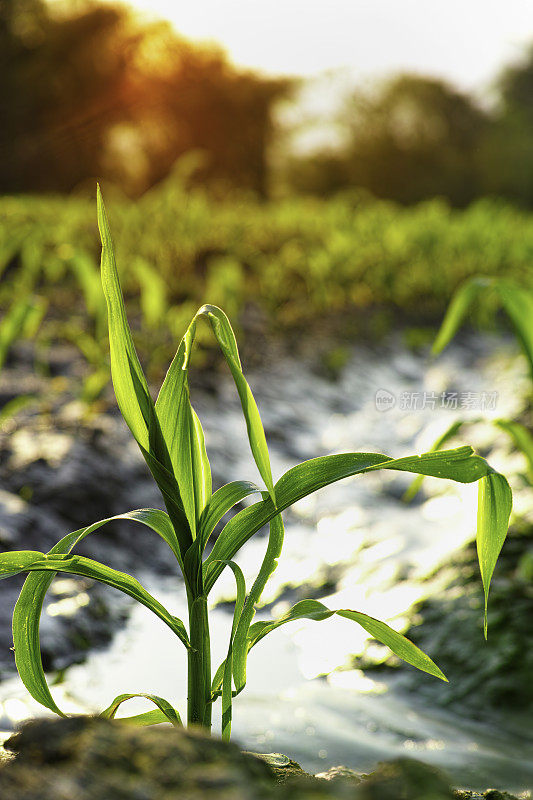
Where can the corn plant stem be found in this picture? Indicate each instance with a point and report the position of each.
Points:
(199, 665)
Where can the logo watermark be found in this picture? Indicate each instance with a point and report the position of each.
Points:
(385, 400)
(419, 401)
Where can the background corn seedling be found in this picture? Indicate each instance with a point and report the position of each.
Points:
(517, 302)
(171, 440)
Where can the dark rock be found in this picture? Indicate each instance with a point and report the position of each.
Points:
(334, 773)
(405, 779)
(282, 766)
(83, 758)
(87, 758)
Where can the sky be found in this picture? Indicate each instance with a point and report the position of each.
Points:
(465, 41)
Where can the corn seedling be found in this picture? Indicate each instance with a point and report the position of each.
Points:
(21, 321)
(171, 440)
(517, 302)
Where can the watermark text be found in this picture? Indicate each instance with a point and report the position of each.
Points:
(420, 401)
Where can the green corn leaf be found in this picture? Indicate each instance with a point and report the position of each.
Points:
(256, 435)
(459, 464)
(240, 647)
(167, 710)
(270, 562)
(130, 394)
(169, 489)
(457, 310)
(17, 561)
(201, 466)
(313, 609)
(182, 429)
(494, 508)
(27, 613)
(28, 608)
(521, 438)
(153, 518)
(518, 303)
(154, 717)
(183, 433)
(449, 433)
(30, 561)
(221, 502)
(224, 672)
(131, 388)
(516, 300)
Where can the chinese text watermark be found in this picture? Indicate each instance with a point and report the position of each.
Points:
(420, 401)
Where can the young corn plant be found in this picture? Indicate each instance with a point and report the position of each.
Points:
(171, 440)
(517, 302)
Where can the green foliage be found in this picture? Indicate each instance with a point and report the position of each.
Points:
(171, 440)
(294, 261)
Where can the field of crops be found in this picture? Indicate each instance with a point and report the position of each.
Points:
(293, 260)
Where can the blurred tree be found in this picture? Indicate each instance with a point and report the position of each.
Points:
(508, 147)
(190, 98)
(87, 92)
(60, 86)
(414, 138)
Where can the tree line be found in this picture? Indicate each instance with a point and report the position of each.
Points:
(88, 91)
(414, 137)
